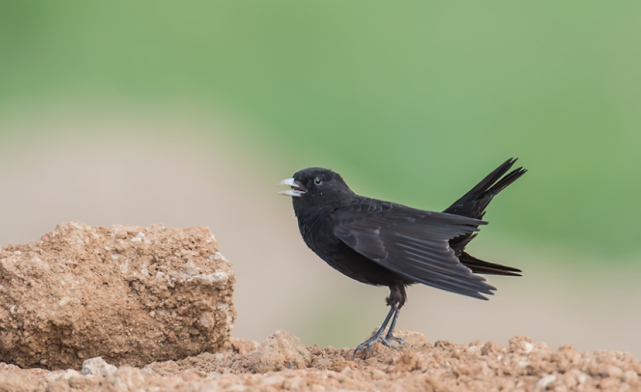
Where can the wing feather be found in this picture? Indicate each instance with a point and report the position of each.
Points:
(412, 243)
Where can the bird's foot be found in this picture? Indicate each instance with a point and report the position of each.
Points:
(385, 340)
(368, 343)
(390, 336)
(389, 344)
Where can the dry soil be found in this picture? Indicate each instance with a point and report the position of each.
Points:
(281, 362)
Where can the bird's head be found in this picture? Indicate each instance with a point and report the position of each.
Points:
(316, 186)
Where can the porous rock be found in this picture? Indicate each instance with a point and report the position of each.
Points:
(97, 367)
(132, 295)
(281, 350)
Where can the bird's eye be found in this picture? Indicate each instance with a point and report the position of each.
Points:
(317, 181)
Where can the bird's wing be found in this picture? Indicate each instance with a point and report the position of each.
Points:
(412, 243)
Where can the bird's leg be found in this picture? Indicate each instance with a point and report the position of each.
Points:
(390, 332)
(395, 301)
(378, 335)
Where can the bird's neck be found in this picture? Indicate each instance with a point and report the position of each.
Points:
(310, 215)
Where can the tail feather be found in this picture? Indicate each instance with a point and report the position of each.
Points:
(507, 180)
(473, 205)
(483, 267)
(490, 179)
(474, 202)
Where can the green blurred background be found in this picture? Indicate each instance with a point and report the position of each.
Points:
(188, 113)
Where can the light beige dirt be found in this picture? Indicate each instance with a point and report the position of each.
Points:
(132, 295)
(418, 366)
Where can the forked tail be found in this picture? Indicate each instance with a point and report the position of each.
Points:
(474, 202)
(473, 205)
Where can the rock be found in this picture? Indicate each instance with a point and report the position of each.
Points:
(242, 346)
(412, 339)
(131, 295)
(281, 350)
(631, 377)
(97, 367)
(82, 382)
(521, 345)
(543, 382)
(12, 381)
(127, 378)
(614, 371)
(58, 386)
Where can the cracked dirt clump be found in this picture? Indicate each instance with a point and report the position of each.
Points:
(275, 365)
(132, 295)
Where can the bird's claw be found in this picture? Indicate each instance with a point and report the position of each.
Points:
(368, 343)
(394, 338)
(389, 344)
(390, 336)
(384, 340)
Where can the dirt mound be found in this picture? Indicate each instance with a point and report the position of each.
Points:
(283, 363)
(132, 295)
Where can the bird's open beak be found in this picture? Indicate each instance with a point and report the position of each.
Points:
(296, 191)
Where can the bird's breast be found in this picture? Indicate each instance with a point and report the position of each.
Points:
(319, 236)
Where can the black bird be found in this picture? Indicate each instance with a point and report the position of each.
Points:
(386, 244)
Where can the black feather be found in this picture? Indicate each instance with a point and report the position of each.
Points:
(386, 244)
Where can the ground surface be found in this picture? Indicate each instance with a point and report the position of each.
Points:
(281, 362)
